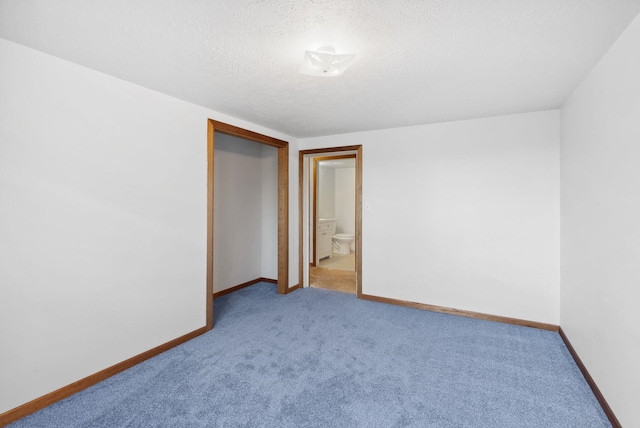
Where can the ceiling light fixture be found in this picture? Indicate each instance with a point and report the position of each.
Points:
(325, 62)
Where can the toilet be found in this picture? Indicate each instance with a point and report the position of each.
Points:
(343, 243)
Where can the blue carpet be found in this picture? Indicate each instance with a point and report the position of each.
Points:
(318, 358)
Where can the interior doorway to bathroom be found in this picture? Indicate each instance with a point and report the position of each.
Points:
(333, 201)
(331, 218)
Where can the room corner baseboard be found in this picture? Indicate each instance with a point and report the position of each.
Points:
(243, 285)
(66, 391)
(592, 384)
(468, 314)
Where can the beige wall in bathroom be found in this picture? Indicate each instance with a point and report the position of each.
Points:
(326, 191)
(345, 203)
(336, 197)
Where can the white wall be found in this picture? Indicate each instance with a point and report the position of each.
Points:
(345, 200)
(102, 221)
(269, 217)
(245, 175)
(326, 192)
(463, 214)
(600, 159)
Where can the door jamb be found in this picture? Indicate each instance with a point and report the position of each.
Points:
(315, 198)
(283, 204)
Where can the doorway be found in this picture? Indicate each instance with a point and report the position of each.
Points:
(332, 224)
(283, 205)
(314, 255)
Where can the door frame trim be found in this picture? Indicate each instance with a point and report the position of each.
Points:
(301, 190)
(283, 204)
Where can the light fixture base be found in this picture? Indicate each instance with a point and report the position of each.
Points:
(324, 62)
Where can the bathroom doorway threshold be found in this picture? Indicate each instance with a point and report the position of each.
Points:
(343, 281)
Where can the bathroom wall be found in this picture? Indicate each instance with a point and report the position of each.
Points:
(600, 158)
(463, 214)
(245, 211)
(345, 202)
(326, 192)
(102, 220)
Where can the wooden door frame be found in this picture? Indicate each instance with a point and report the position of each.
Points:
(315, 196)
(327, 151)
(283, 204)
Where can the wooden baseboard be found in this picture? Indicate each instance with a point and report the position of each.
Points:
(294, 288)
(468, 314)
(66, 391)
(592, 384)
(243, 285)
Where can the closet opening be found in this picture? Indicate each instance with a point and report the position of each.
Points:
(215, 127)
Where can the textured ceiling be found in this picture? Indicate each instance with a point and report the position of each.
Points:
(417, 61)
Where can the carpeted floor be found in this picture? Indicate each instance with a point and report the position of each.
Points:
(318, 358)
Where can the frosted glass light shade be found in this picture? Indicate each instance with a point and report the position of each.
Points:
(325, 63)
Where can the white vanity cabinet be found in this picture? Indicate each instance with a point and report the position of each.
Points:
(325, 230)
